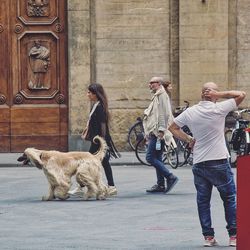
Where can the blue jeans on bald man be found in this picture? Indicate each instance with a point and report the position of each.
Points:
(216, 173)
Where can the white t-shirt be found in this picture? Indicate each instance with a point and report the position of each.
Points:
(206, 120)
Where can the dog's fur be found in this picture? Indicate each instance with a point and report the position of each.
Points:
(59, 167)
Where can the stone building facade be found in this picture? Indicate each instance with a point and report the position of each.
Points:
(123, 43)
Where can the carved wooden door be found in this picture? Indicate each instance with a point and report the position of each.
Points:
(33, 75)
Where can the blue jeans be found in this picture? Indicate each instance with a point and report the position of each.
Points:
(154, 157)
(216, 173)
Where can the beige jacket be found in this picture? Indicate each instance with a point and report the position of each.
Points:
(158, 115)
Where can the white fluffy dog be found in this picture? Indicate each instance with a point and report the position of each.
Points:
(59, 167)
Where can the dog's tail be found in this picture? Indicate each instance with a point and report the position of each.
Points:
(103, 147)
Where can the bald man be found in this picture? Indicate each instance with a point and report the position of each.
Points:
(211, 167)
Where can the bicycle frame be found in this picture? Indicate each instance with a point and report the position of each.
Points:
(247, 130)
(173, 142)
(170, 154)
(239, 142)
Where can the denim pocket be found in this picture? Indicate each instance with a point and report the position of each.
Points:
(199, 176)
(221, 175)
(216, 175)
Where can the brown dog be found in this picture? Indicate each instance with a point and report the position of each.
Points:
(59, 167)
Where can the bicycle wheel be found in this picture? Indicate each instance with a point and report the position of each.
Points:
(135, 134)
(233, 153)
(183, 152)
(140, 151)
(170, 156)
(188, 155)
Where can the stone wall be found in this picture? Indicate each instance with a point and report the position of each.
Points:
(203, 46)
(132, 45)
(122, 44)
(243, 48)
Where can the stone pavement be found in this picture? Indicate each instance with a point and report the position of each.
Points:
(133, 220)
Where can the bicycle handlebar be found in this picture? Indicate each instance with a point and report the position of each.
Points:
(238, 112)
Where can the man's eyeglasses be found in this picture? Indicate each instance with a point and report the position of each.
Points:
(153, 82)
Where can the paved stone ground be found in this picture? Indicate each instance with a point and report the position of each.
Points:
(132, 220)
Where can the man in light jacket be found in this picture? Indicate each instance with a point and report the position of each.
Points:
(155, 122)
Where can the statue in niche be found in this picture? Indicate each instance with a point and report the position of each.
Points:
(39, 58)
(37, 7)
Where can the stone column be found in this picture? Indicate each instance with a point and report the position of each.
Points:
(79, 69)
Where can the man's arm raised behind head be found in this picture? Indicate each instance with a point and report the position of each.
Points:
(239, 98)
(236, 94)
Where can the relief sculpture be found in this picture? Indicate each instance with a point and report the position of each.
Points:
(38, 7)
(39, 58)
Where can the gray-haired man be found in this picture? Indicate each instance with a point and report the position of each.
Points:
(155, 122)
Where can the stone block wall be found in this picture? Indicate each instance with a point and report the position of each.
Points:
(131, 46)
(122, 44)
(243, 48)
(203, 46)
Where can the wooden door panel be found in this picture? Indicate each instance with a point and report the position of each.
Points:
(33, 128)
(38, 78)
(33, 91)
(5, 143)
(39, 82)
(31, 12)
(4, 78)
(4, 52)
(39, 142)
(4, 137)
(64, 125)
(28, 113)
(4, 130)
(4, 114)
(4, 121)
(4, 127)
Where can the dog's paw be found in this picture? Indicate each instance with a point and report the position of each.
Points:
(101, 197)
(64, 197)
(86, 197)
(47, 198)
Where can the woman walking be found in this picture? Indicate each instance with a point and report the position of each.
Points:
(98, 124)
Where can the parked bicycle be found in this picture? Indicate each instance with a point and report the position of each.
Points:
(170, 154)
(135, 133)
(180, 109)
(185, 154)
(237, 135)
(177, 154)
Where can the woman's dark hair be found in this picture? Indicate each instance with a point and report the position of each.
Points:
(165, 85)
(98, 90)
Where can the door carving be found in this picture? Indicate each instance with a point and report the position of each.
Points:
(33, 75)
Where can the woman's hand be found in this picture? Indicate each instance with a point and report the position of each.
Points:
(84, 133)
